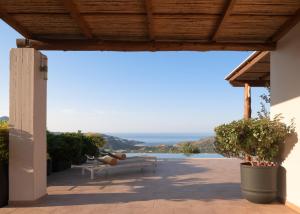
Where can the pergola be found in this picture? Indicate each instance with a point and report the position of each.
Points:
(121, 25)
(253, 72)
(150, 25)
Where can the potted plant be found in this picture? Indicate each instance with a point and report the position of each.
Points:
(257, 141)
(3, 163)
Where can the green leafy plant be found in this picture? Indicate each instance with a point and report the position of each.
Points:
(4, 138)
(73, 144)
(70, 148)
(189, 148)
(256, 140)
(94, 140)
(58, 151)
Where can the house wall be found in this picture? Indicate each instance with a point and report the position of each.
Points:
(285, 100)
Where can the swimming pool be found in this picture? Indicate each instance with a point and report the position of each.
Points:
(177, 155)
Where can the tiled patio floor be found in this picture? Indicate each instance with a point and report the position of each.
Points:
(181, 186)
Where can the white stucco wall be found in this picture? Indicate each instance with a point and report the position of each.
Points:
(27, 119)
(285, 99)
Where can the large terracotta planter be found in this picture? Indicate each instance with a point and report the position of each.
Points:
(259, 183)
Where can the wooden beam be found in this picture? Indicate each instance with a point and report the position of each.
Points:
(74, 12)
(286, 27)
(252, 83)
(247, 101)
(14, 23)
(223, 19)
(141, 13)
(100, 45)
(256, 59)
(148, 4)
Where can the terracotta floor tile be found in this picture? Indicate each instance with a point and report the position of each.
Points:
(190, 186)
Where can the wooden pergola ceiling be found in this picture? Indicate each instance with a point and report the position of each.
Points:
(255, 71)
(151, 25)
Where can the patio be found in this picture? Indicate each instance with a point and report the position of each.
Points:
(178, 186)
(150, 25)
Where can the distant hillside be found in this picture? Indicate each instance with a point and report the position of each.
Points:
(116, 143)
(206, 144)
(3, 118)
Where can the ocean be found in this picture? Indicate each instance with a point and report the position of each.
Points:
(152, 139)
(176, 155)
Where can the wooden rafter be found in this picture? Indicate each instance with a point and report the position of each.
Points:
(100, 45)
(153, 25)
(148, 4)
(251, 63)
(265, 76)
(288, 25)
(13, 23)
(226, 14)
(74, 12)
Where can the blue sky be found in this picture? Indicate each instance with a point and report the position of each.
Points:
(172, 92)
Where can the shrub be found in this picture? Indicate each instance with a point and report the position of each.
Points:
(95, 139)
(189, 148)
(92, 143)
(70, 148)
(4, 138)
(58, 152)
(256, 140)
(73, 145)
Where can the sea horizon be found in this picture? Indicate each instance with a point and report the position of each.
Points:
(150, 139)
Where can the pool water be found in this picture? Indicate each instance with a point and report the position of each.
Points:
(176, 155)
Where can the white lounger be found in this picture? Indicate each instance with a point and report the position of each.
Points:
(130, 162)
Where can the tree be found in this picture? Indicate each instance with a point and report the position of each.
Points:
(189, 148)
(96, 139)
(265, 104)
(255, 140)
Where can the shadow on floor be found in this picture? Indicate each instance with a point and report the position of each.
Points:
(173, 180)
(204, 192)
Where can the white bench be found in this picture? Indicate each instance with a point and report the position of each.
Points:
(90, 167)
(130, 162)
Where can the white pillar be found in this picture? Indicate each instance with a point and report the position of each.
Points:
(285, 100)
(27, 119)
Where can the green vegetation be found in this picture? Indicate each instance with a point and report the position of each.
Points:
(70, 148)
(189, 148)
(154, 149)
(95, 139)
(256, 140)
(4, 141)
(205, 145)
